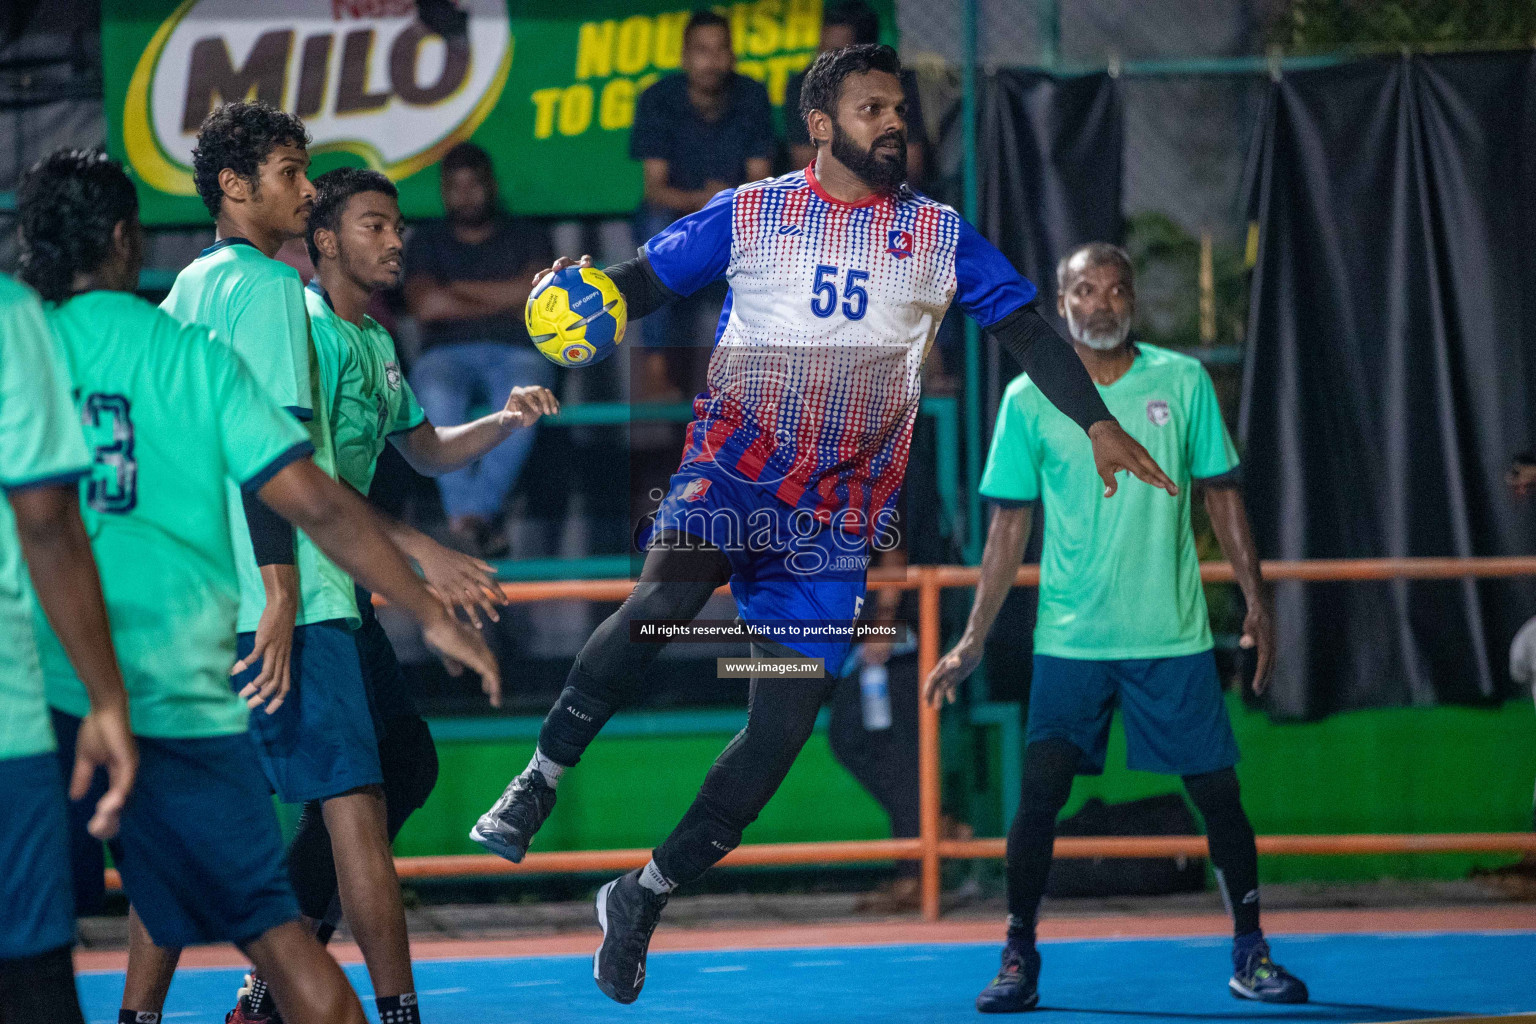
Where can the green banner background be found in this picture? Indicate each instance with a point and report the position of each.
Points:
(559, 130)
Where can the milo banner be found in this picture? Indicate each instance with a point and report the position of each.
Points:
(548, 88)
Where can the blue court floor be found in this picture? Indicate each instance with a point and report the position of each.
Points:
(1353, 978)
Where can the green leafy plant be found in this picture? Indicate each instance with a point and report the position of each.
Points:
(1166, 258)
(1334, 24)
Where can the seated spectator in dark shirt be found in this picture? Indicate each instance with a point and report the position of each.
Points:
(844, 24)
(467, 278)
(697, 132)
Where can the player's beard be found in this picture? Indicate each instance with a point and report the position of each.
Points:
(882, 173)
(1102, 332)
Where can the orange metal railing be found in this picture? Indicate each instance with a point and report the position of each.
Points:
(929, 848)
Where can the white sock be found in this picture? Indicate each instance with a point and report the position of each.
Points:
(652, 878)
(547, 768)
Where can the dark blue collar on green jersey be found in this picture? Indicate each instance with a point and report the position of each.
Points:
(225, 243)
(319, 289)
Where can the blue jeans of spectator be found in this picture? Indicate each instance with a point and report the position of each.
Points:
(449, 381)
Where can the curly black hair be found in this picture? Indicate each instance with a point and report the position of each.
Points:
(240, 136)
(332, 190)
(824, 80)
(67, 206)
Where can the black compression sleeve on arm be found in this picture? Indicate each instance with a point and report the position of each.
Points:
(642, 290)
(271, 534)
(1052, 364)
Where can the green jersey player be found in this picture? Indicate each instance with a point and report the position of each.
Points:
(355, 242)
(41, 457)
(172, 416)
(298, 612)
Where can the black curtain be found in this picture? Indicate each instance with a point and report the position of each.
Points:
(1050, 153)
(1393, 353)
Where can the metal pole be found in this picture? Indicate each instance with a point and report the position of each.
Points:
(928, 769)
(1049, 30)
(973, 397)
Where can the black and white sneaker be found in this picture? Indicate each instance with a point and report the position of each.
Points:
(508, 827)
(627, 912)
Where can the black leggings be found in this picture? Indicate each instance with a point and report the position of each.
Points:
(1049, 767)
(38, 989)
(679, 576)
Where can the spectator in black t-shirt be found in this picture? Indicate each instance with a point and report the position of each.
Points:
(467, 278)
(844, 24)
(697, 133)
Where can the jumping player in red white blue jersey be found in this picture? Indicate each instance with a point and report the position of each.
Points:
(839, 276)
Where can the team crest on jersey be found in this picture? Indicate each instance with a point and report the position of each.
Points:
(392, 375)
(1158, 413)
(898, 242)
(695, 489)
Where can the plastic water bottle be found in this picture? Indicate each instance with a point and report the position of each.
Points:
(874, 687)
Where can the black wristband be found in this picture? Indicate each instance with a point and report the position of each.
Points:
(271, 534)
(642, 290)
(1052, 364)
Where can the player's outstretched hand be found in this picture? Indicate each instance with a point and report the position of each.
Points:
(459, 580)
(952, 670)
(561, 264)
(1259, 632)
(104, 741)
(1114, 450)
(526, 404)
(273, 648)
(455, 640)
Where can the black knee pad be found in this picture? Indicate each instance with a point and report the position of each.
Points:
(1214, 791)
(1050, 765)
(409, 761)
(707, 832)
(572, 723)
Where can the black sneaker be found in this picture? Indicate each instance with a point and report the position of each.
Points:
(1256, 976)
(1017, 985)
(508, 827)
(627, 912)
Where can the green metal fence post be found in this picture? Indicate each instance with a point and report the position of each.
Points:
(1049, 30)
(973, 530)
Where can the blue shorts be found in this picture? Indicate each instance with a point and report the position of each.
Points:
(36, 908)
(1175, 718)
(790, 574)
(321, 742)
(200, 851)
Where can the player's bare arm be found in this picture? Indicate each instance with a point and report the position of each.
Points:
(273, 642)
(460, 581)
(344, 527)
(1229, 521)
(1000, 560)
(1115, 451)
(58, 554)
(432, 450)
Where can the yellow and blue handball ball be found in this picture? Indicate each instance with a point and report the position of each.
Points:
(576, 316)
